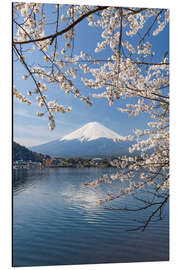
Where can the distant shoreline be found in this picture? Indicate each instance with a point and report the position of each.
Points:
(53, 167)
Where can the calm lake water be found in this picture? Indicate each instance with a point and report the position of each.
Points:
(56, 221)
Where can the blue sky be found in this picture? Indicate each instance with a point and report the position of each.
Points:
(30, 130)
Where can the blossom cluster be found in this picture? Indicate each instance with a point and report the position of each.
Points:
(20, 97)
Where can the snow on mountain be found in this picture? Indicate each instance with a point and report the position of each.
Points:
(91, 131)
(91, 140)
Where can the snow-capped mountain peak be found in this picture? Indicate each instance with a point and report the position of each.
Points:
(92, 131)
(91, 140)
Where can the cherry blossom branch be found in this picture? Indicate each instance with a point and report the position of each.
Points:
(133, 12)
(31, 74)
(53, 36)
(149, 29)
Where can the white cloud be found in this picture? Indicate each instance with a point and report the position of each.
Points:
(28, 141)
(30, 135)
(23, 112)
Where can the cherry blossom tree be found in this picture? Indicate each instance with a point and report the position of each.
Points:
(131, 70)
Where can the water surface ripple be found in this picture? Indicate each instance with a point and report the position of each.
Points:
(56, 221)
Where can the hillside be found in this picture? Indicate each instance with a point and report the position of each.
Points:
(22, 153)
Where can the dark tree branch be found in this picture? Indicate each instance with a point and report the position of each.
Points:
(30, 73)
(52, 37)
(149, 29)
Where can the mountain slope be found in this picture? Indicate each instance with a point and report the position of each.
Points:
(22, 153)
(91, 140)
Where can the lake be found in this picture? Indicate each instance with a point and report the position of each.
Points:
(56, 221)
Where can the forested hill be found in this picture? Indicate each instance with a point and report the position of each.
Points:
(22, 153)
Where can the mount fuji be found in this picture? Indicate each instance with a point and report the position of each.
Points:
(91, 140)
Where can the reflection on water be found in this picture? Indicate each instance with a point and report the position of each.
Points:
(56, 221)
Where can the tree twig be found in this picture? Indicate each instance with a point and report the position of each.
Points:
(53, 36)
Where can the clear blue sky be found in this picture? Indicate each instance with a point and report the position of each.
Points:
(30, 130)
